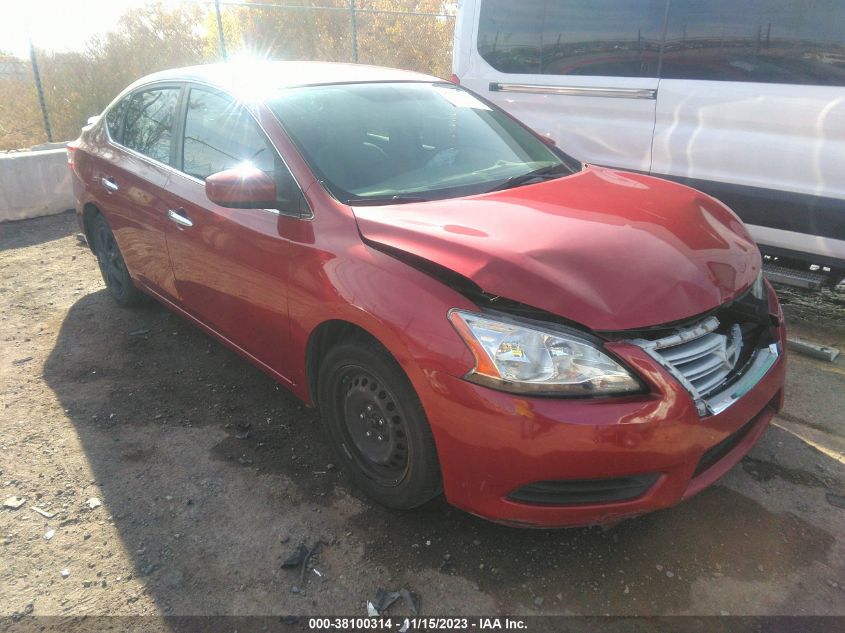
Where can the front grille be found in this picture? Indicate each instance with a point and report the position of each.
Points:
(719, 358)
(706, 361)
(584, 491)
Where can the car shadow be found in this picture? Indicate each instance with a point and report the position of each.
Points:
(33, 231)
(212, 473)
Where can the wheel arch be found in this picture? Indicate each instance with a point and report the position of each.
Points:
(89, 212)
(322, 338)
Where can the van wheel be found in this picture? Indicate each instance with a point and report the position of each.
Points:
(377, 425)
(112, 267)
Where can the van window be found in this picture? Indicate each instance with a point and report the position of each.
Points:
(148, 127)
(617, 38)
(769, 41)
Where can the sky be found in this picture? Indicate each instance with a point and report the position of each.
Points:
(58, 25)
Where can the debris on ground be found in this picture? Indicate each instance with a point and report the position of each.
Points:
(46, 514)
(21, 361)
(49, 535)
(17, 616)
(139, 332)
(815, 350)
(93, 503)
(13, 503)
(385, 599)
(65, 573)
(295, 559)
(299, 559)
(836, 500)
(80, 237)
(243, 431)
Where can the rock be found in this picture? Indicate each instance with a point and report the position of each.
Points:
(93, 503)
(13, 503)
(43, 512)
(65, 573)
(838, 501)
(49, 535)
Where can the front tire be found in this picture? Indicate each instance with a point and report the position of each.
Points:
(377, 425)
(112, 267)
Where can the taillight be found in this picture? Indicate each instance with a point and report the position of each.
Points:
(454, 79)
(71, 149)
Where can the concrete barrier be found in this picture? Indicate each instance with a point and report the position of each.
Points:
(34, 183)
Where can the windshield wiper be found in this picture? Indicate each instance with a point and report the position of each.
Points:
(521, 179)
(377, 200)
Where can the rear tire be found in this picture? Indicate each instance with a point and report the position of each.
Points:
(377, 425)
(112, 266)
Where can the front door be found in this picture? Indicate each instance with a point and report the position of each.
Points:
(230, 264)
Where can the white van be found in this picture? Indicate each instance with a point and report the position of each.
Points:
(744, 100)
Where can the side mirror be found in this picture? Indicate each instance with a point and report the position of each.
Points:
(241, 188)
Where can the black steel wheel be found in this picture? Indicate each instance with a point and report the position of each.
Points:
(377, 425)
(112, 267)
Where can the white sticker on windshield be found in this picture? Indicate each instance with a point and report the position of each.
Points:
(461, 99)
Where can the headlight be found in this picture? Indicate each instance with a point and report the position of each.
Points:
(525, 358)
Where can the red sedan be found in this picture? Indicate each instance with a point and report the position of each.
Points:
(472, 311)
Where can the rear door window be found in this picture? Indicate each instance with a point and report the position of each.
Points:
(148, 124)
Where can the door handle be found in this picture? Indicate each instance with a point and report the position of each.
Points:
(179, 218)
(109, 184)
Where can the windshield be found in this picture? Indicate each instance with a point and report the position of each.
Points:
(384, 142)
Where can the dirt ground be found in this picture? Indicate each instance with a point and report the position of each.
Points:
(209, 475)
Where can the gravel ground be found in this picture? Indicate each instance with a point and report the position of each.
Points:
(208, 475)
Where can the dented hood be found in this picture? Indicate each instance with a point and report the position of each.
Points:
(610, 250)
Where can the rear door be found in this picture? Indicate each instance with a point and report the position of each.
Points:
(751, 108)
(131, 173)
(231, 265)
(583, 72)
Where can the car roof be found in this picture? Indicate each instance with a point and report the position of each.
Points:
(254, 80)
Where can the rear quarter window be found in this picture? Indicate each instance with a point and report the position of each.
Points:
(114, 120)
